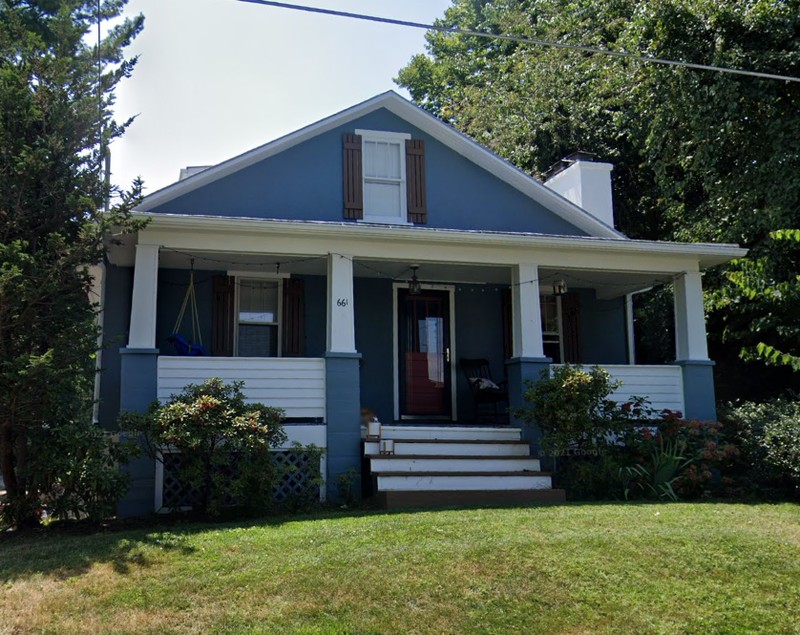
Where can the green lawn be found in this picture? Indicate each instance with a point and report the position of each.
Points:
(611, 568)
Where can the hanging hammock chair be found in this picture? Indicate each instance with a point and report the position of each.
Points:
(183, 346)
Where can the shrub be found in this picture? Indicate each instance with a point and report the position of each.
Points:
(224, 444)
(571, 407)
(73, 473)
(769, 437)
(578, 421)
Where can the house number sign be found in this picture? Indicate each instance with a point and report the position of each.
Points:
(342, 302)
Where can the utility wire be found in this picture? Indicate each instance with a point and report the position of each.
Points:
(518, 38)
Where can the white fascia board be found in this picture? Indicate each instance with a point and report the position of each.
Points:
(419, 118)
(706, 254)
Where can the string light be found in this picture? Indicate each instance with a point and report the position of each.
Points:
(557, 279)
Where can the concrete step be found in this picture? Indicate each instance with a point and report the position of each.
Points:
(448, 498)
(452, 448)
(449, 463)
(461, 481)
(461, 433)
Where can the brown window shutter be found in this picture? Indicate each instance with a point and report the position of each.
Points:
(571, 323)
(353, 183)
(415, 181)
(293, 317)
(223, 314)
(507, 317)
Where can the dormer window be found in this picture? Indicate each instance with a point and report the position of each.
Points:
(384, 177)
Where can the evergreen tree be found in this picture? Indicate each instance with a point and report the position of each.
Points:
(57, 86)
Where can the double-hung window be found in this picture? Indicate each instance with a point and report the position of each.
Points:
(258, 317)
(551, 327)
(384, 176)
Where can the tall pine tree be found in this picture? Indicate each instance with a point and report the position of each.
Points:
(57, 84)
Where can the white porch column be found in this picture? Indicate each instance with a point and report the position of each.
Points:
(526, 311)
(341, 321)
(145, 291)
(690, 321)
(629, 333)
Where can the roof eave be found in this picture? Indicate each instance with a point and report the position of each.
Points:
(707, 254)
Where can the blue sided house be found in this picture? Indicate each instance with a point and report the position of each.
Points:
(379, 259)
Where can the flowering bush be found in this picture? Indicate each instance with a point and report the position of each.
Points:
(603, 449)
(676, 458)
(214, 430)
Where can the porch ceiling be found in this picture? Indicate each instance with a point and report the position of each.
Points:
(607, 284)
(256, 263)
(317, 266)
(443, 272)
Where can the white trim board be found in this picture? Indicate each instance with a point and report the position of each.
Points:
(184, 230)
(419, 118)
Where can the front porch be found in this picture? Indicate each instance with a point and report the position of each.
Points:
(328, 324)
(470, 311)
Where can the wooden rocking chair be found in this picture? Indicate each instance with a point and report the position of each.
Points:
(491, 397)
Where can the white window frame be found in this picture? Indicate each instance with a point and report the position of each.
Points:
(390, 137)
(255, 275)
(560, 333)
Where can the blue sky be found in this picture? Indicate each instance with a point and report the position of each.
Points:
(218, 77)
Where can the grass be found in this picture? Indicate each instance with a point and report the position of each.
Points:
(610, 568)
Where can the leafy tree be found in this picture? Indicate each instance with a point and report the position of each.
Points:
(699, 156)
(774, 283)
(56, 99)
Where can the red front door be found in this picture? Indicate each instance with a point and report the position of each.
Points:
(424, 354)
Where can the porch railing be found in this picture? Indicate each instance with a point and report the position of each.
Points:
(295, 384)
(662, 385)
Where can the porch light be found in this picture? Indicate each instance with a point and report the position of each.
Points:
(414, 286)
(560, 288)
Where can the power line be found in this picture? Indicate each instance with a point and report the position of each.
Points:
(518, 38)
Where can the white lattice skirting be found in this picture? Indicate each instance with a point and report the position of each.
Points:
(296, 483)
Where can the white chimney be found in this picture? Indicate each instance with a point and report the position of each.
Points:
(581, 180)
(191, 170)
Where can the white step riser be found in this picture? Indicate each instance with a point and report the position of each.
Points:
(453, 449)
(414, 483)
(454, 465)
(459, 434)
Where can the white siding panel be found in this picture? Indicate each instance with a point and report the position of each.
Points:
(297, 385)
(662, 385)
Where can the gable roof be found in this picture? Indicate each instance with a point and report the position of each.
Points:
(421, 119)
